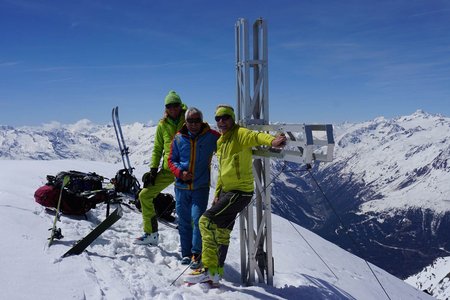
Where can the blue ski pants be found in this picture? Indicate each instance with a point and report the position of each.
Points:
(190, 205)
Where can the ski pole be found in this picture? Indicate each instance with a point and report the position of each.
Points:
(66, 180)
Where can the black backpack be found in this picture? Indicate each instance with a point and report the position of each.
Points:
(79, 182)
(82, 193)
(164, 206)
(125, 182)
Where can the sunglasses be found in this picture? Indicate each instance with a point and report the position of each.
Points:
(223, 118)
(194, 120)
(172, 105)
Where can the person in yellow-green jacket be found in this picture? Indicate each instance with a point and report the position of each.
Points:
(155, 181)
(234, 191)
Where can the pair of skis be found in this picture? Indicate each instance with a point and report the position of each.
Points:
(119, 135)
(124, 152)
(81, 245)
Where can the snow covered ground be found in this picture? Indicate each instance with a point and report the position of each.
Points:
(434, 278)
(114, 268)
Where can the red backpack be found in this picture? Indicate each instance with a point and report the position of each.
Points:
(47, 195)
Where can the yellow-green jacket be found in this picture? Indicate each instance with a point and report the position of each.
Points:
(166, 130)
(234, 153)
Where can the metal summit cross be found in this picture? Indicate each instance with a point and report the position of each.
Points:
(306, 143)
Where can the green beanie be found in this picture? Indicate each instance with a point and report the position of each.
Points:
(172, 98)
(225, 110)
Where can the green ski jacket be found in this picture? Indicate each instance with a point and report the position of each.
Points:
(234, 154)
(166, 130)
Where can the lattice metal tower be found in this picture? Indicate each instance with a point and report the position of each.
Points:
(253, 112)
(253, 109)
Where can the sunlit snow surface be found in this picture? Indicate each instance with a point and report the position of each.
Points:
(114, 268)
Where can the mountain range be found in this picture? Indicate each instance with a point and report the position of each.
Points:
(384, 197)
(385, 193)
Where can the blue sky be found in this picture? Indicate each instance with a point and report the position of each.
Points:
(329, 61)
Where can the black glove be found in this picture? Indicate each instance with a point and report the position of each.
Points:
(150, 177)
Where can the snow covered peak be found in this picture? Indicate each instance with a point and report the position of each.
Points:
(405, 160)
(421, 112)
(81, 140)
(434, 279)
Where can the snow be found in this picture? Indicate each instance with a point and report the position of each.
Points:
(434, 278)
(404, 160)
(396, 159)
(306, 266)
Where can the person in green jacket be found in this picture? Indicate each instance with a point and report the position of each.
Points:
(234, 191)
(155, 181)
